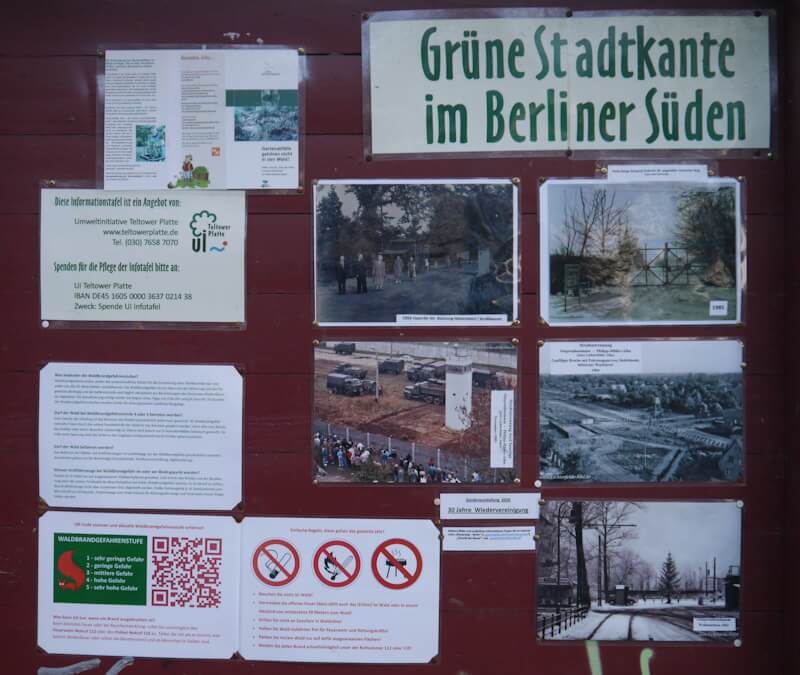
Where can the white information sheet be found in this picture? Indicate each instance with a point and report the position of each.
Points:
(142, 256)
(489, 539)
(200, 118)
(137, 436)
(502, 447)
(489, 506)
(140, 585)
(340, 590)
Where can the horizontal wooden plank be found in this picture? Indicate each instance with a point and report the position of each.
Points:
(284, 318)
(30, 159)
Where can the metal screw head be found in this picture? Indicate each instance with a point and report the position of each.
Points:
(315, 343)
(515, 180)
(537, 483)
(515, 323)
(437, 501)
(301, 50)
(604, 170)
(515, 342)
(517, 481)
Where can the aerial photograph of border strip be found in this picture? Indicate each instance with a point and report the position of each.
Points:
(414, 412)
(641, 252)
(413, 252)
(641, 411)
(639, 571)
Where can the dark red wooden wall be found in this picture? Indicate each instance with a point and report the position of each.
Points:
(48, 63)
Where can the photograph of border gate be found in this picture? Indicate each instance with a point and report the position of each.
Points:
(408, 412)
(640, 252)
(407, 252)
(678, 418)
(660, 571)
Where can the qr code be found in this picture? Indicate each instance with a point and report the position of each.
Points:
(186, 572)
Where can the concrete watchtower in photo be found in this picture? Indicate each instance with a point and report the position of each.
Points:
(458, 390)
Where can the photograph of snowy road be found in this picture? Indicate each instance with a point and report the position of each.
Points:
(639, 571)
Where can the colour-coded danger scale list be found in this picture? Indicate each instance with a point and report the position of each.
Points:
(100, 569)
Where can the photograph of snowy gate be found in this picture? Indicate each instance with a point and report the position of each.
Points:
(639, 571)
(639, 252)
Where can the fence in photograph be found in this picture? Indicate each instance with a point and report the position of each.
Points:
(663, 266)
(561, 620)
(462, 467)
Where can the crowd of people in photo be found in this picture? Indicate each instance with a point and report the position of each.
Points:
(393, 270)
(344, 454)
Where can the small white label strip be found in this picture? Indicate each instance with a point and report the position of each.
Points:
(593, 358)
(489, 539)
(445, 319)
(656, 172)
(718, 308)
(726, 624)
(489, 506)
(502, 432)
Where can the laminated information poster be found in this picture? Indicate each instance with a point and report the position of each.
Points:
(139, 436)
(142, 256)
(340, 590)
(140, 585)
(202, 118)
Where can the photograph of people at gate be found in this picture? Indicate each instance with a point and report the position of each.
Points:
(641, 252)
(414, 253)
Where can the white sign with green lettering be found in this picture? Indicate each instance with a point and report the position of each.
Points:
(525, 83)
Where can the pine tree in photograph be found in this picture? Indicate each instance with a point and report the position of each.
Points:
(668, 578)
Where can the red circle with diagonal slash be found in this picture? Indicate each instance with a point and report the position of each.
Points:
(348, 577)
(408, 577)
(276, 563)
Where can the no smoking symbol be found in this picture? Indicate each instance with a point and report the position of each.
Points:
(276, 562)
(396, 563)
(337, 563)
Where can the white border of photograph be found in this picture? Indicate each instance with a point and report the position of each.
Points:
(425, 181)
(544, 251)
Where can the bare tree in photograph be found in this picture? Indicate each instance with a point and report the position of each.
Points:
(611, 520)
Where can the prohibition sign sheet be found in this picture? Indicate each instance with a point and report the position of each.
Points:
(336, 593)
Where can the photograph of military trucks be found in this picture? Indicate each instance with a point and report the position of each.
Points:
(407, 412)
(641, 411)
(640, 252)
(639, 571)
(411, 252)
